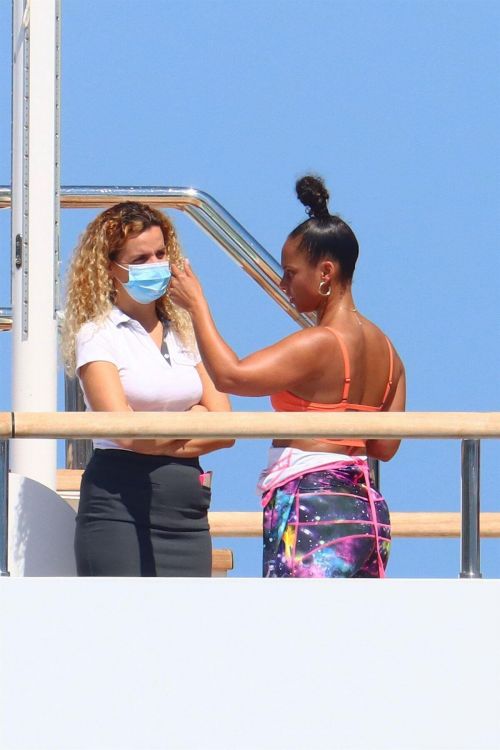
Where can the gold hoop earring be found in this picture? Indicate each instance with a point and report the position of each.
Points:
(321, 287)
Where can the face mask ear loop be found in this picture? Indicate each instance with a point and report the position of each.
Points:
(115, 278)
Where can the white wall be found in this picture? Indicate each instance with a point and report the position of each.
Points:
(131, 664)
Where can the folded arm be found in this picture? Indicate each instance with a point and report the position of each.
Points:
(104, 392)
(382, 449)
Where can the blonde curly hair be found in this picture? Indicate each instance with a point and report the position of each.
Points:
(90, 290)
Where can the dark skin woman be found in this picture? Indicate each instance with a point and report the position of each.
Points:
(344, 363)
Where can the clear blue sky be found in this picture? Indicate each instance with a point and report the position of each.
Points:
(395, 103)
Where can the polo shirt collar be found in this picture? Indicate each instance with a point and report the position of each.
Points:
(117, 316)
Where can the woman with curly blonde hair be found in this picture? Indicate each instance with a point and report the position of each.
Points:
(143, 502)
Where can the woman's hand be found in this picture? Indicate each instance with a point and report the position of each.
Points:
(198, 407)
(185, 289)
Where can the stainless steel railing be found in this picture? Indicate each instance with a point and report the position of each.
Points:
(78, 452)
(4, 507)
(470, 507)
(206, 212)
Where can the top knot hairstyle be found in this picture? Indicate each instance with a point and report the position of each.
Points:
(312, 193)
(324, 235)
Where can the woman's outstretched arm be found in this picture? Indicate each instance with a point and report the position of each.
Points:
(288, 363)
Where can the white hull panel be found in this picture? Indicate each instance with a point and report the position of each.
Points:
(245, 664)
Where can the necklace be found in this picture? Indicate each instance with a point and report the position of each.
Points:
(347, 309)
(351, 309)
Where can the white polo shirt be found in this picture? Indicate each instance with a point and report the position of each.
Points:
(153, 380)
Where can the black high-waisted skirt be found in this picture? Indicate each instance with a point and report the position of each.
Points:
(142, 516)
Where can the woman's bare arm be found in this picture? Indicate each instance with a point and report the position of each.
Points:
(287, 364)
(211, 400)
(384, 450)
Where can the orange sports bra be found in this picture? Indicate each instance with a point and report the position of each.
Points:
(287, 401)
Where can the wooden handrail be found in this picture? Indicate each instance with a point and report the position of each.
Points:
(453, 425)
(264, 424)
(249, 524)
(5, 424)
(68, 479)
(222, 560)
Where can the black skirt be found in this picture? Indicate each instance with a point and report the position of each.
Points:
(142, 516)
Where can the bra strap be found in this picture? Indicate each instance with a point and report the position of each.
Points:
(347, 366)
(391, 372)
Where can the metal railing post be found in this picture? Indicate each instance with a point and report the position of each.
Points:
(4, 507)
(78, 452)
(374, 465)
(470, 537)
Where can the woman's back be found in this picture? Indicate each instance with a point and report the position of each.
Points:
(357, 370)
(362, 368)
(344, 363)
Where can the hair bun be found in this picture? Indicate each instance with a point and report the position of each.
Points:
(312, 193)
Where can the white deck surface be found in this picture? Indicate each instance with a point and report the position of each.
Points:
(131, 664)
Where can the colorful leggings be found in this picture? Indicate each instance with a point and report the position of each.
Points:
(321, 525)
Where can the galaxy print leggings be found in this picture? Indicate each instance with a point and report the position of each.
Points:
(321, 525)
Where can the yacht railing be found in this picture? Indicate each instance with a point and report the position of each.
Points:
(264, 269)
(206, 212)
(470, 427)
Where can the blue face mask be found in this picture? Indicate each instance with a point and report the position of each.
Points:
(147, 282)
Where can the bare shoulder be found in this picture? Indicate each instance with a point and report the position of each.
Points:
(311, 340)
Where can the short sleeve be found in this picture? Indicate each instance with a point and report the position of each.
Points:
(94, 344)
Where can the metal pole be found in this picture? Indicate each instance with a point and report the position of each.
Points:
(470, 538)
(204, 210)
(4, 507)
(34, 228)
(374, 465)
(78, 452)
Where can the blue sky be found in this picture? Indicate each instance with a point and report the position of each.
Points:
(395, 103)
